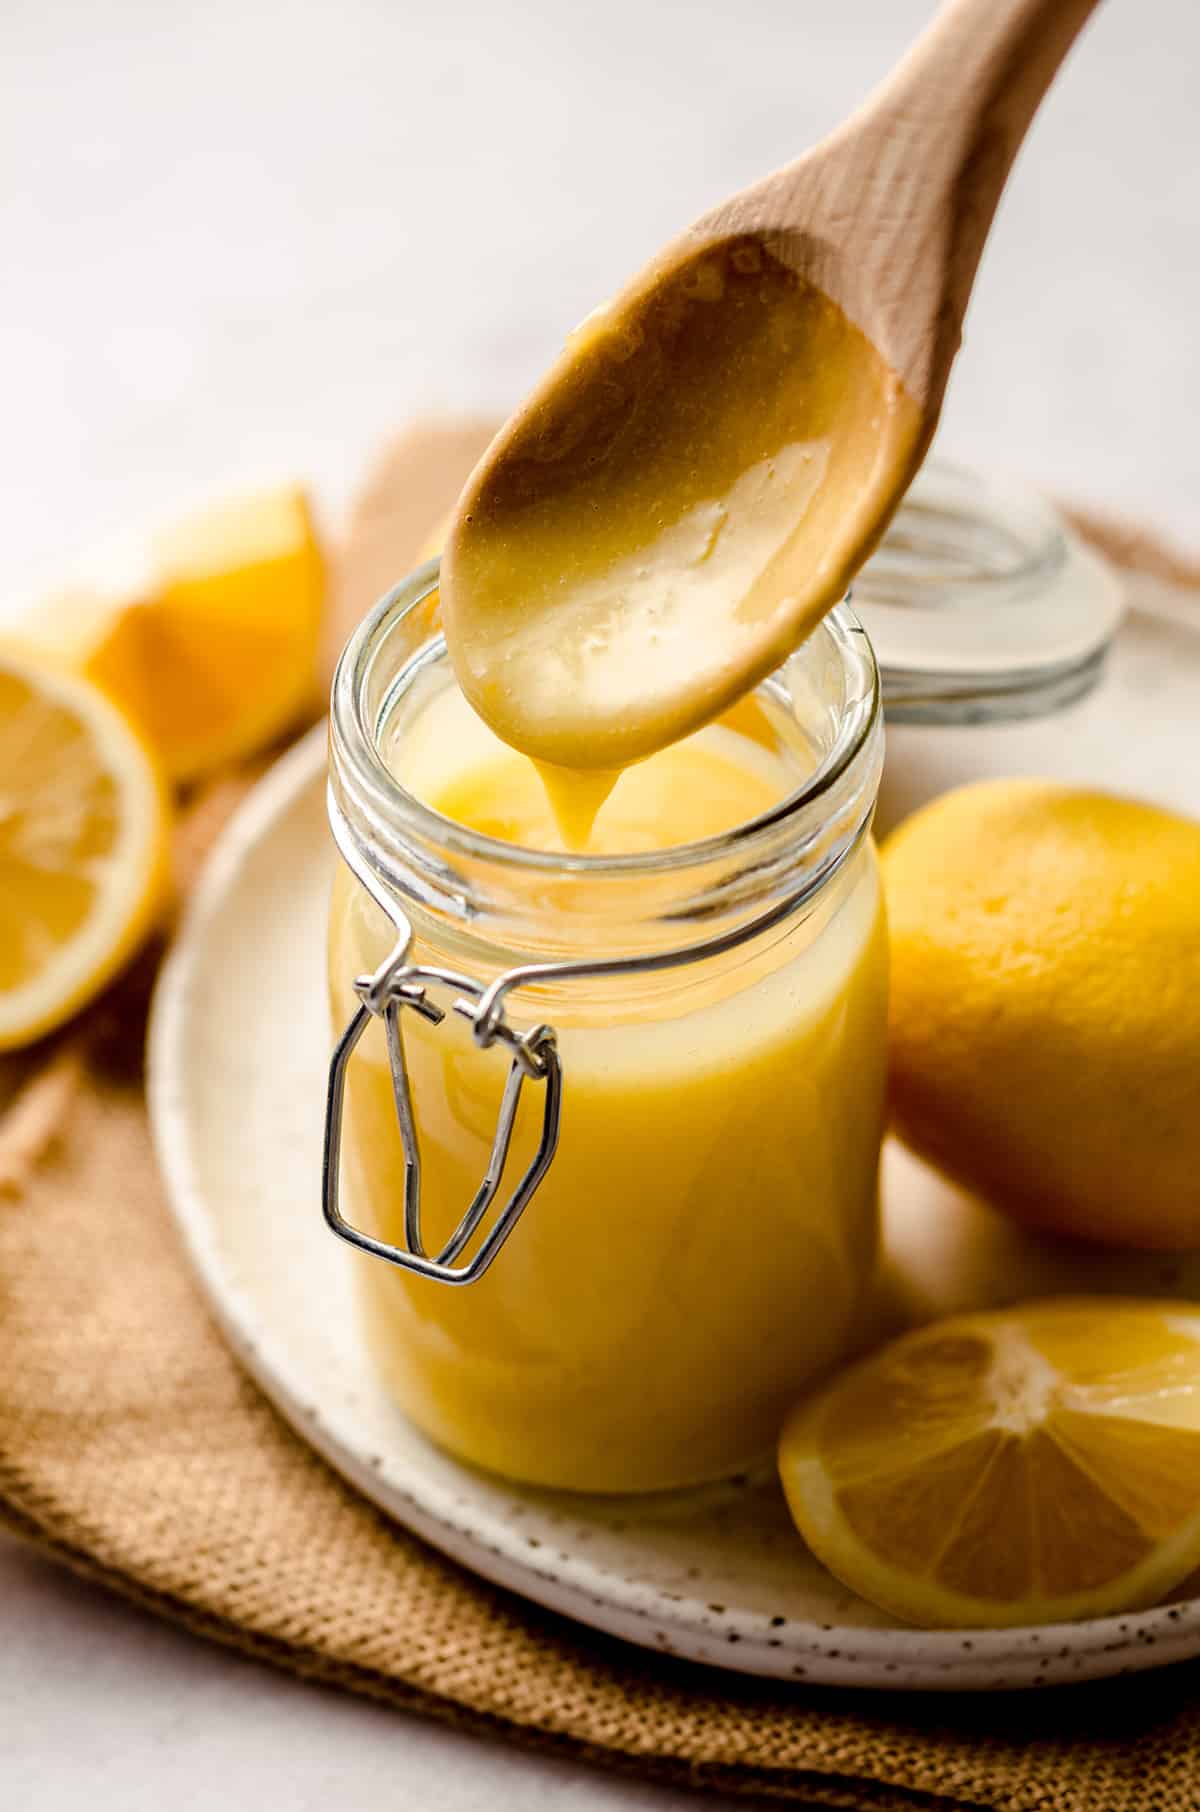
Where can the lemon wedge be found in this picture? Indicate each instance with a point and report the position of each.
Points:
(83, 844)
(1018, 1467)
(209, 638)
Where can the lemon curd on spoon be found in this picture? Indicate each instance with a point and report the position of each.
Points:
(684, 496)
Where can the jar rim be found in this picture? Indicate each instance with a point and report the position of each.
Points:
(355, 748)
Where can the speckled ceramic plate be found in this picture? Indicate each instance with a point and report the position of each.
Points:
(238, 1056)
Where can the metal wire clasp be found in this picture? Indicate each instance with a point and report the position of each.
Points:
(399, 984)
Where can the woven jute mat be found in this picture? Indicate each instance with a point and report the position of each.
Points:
(134, 1449)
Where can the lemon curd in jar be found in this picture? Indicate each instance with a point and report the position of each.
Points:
(702, 1242)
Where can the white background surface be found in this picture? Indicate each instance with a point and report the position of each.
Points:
(244, 239)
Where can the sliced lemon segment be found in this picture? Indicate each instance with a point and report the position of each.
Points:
(1023, 1466)
(83, 844)
(211, 643)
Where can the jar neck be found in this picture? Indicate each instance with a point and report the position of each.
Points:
(511, 903)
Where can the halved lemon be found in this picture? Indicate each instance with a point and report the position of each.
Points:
(1017, 1467)
(83, 844)
(207, 634)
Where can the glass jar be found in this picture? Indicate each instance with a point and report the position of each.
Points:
(987, 612)
(693, 1078)
(983, 605)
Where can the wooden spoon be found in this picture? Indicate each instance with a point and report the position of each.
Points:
(717, 450)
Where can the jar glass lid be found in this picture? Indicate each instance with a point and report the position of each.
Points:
(983, 604)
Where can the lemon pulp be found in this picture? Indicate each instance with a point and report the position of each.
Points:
(1021, 1466)
(83, 844)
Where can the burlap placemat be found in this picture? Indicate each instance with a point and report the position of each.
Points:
(134, 1449)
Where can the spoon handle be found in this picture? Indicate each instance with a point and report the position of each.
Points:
(888, 215)
(946, 128)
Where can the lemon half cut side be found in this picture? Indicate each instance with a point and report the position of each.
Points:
(1025, 1466)
(83, 844)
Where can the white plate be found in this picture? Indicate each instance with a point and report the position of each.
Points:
(238, 1055)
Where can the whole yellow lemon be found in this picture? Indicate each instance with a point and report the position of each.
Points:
(1045, 1014)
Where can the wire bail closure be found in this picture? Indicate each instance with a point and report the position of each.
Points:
(398, 984)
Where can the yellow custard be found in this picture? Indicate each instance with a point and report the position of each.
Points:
(701, 1244)
(684, 496)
